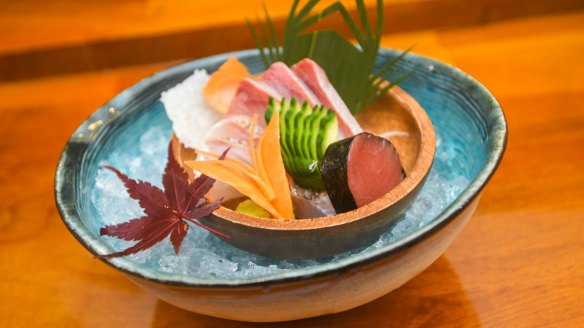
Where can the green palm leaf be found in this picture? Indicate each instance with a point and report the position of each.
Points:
(349, 67)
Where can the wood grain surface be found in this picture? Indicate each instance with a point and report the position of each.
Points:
(41, 37)
(518, 263)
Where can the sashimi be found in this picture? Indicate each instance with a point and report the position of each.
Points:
(309, 203)
(359, 170)
(282, 79)
(252, 98)
(233, 132)
(315, 78)
(277, 82)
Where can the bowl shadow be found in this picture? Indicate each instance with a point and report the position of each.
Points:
(433, 298)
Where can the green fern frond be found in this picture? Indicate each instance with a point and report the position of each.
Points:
(349, 67)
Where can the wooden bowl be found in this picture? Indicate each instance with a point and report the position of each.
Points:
(325, 236)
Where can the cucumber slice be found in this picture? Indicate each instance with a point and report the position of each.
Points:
(317, 131)
(289, 117)
(305, 133)
(330, 126)
(302, 127)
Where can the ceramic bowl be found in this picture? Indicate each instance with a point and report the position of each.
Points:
(470, 126)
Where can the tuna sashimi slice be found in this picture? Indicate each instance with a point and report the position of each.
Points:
(277, 82)
(373, 168)
(317, 81)
(282, 79)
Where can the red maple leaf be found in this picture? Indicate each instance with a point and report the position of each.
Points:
(166, 212)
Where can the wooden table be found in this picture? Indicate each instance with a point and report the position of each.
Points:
(518, 263)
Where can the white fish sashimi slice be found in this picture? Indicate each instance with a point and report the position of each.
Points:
(317, 81)
(233, 132)
(236, 151)
(191, 116)
(309, 203)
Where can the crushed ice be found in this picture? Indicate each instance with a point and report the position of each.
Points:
(205, 255)
(186, 108)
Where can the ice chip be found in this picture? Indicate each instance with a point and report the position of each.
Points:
(153, 141)
(174, 264)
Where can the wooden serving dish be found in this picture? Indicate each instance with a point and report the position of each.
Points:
(325, 236)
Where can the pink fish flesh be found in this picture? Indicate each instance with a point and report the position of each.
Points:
(287, 84)
(316, 80)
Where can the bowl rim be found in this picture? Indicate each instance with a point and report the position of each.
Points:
(72, 219)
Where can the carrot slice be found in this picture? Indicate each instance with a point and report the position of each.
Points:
(245, 169)
(223, 84)
(244, 166)
(240, 181)
(265, 182)
(257, 161)
(271, 162)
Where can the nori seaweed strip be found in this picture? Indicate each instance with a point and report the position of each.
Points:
(334, 175)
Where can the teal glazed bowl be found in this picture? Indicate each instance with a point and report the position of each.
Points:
(471, 136)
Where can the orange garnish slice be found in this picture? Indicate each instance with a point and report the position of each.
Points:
(223, 84)
(265, 181)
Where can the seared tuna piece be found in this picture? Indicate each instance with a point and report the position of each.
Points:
(359, 170)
